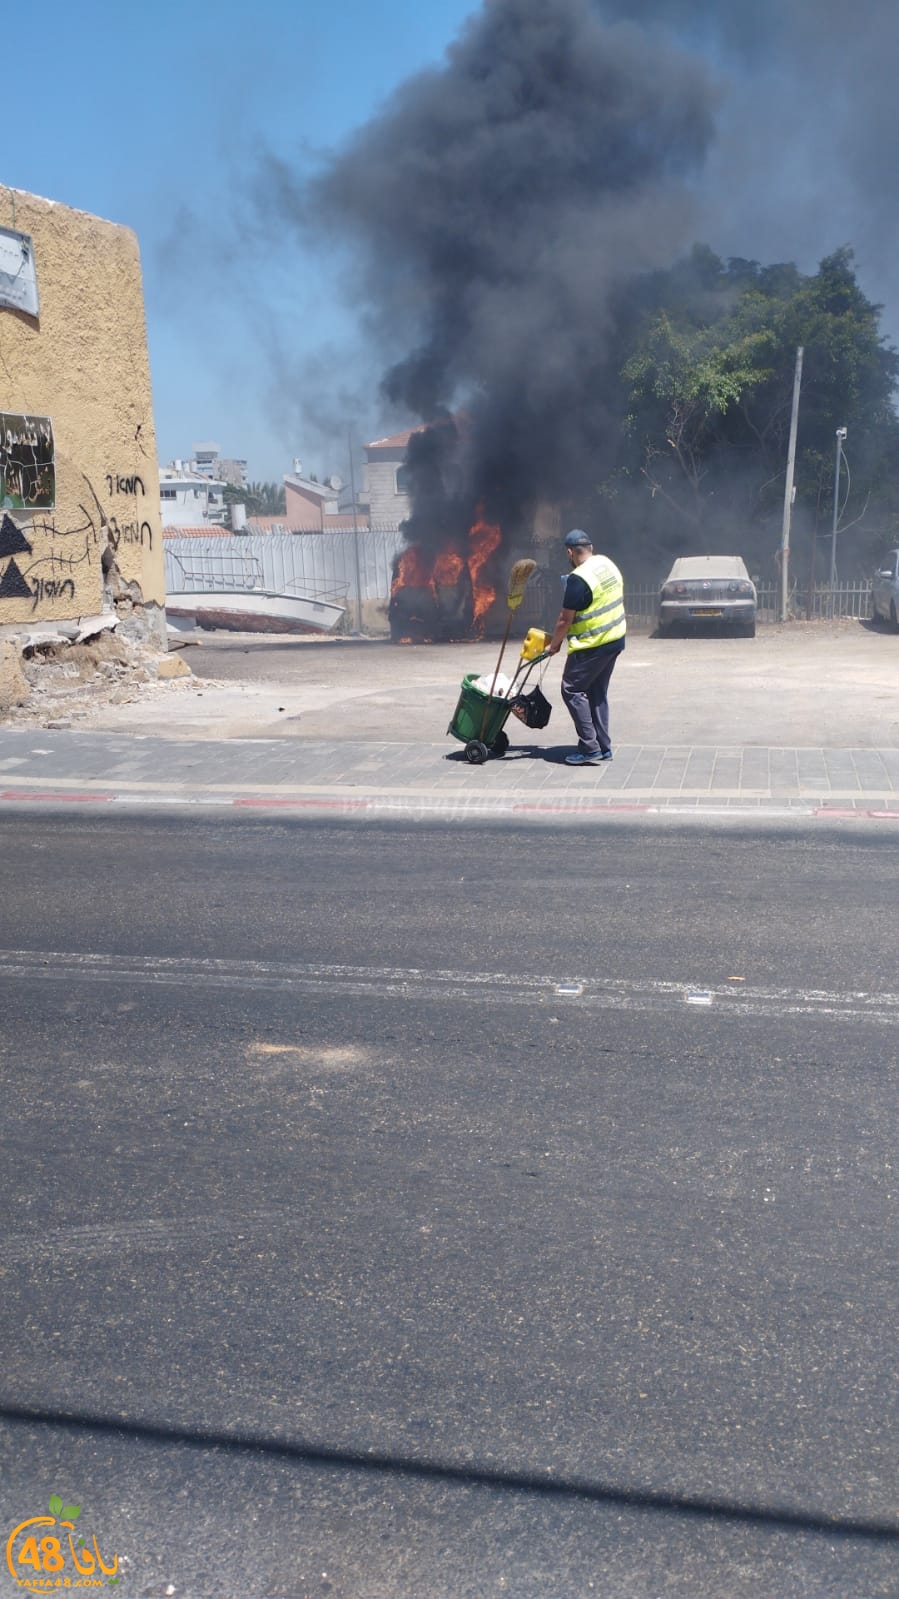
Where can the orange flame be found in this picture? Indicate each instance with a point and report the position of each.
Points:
(415, 568)
(448, 568)
(484, 537)
(412, 570)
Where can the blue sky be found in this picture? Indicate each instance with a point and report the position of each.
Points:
(148, 115)
(158, 116)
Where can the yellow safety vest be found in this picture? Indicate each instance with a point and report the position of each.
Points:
(603, 621)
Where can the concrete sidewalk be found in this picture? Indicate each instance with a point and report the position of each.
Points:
(358, 727)
(42, 766)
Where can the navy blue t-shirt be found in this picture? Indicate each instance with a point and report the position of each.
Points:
(578, 594)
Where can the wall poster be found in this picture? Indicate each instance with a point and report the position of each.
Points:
(18, 279)
(27, 463)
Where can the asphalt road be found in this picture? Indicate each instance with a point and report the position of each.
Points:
(404, 1212)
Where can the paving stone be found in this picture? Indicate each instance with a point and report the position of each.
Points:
(755, 777)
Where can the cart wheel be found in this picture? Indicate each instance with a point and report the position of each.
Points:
(500, 744)
(475, 752)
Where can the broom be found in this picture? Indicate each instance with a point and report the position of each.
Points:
(518, 582)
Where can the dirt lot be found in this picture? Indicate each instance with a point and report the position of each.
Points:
(822, 685)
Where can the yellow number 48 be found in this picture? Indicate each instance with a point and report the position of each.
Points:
(29, 1555)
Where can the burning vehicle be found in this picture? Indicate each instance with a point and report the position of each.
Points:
(431, 601)
(437, 597)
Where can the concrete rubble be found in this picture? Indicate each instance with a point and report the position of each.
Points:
(60, 674)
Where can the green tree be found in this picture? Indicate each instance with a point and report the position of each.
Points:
(268, 499)
(707, 399)
(682, 385)
(260, 499)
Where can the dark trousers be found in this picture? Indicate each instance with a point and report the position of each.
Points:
(585, 688)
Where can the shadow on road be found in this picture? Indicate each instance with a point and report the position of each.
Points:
(470, 1476)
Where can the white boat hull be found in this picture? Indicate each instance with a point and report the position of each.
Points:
(253, 611)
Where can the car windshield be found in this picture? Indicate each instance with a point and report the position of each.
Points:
(691, 567)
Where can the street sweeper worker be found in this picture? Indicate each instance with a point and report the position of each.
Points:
(593, 622)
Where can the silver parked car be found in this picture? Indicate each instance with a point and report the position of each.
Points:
(709, 590)
(885, 590)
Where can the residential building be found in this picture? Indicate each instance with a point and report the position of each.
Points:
(386, 482)
(312, 507)
(382, 501)
(208, 463)
(187, 498)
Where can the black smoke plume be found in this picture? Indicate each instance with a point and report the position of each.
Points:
(807, 129)
(497, 208)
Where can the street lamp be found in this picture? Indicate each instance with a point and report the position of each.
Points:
(841, 434)
(355, 536)
(789, 490)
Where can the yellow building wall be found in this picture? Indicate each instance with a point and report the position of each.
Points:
(83, 363)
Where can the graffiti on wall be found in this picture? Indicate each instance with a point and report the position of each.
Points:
(13, 543)
(117, 484)
(128, 533)
(27, 463)
(54, 576)
(28, 579)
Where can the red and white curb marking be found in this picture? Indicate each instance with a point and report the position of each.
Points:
(457, 807)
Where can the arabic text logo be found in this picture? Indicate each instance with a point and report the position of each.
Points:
(39, 1561)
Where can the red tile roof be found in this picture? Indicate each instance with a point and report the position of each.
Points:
(314, 523)
(267, 524)
(211, 530)
(396, 441)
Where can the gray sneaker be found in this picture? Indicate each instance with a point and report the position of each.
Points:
(593, 759)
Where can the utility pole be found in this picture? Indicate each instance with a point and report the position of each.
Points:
(355, 538)
(841, 434)
(788, 490)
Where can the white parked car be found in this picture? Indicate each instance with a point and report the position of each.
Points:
(708, 590)
(885, 590)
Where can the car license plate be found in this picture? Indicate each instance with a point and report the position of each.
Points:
(705, 610)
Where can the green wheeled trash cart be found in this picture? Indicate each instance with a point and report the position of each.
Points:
(479, 719)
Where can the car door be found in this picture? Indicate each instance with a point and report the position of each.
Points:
(886, 587)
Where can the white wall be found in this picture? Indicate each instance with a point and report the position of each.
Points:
(388, 509)
(195, 502)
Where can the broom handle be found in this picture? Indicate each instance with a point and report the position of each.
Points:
(499, 663)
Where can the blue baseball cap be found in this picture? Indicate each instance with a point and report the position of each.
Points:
(577, 538)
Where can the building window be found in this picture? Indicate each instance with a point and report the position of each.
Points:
(403, 480)
(168, 494)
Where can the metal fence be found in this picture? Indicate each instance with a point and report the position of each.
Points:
(321, 566)
(543, 598)
(846, 599)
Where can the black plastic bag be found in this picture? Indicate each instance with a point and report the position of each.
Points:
(533, 708)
